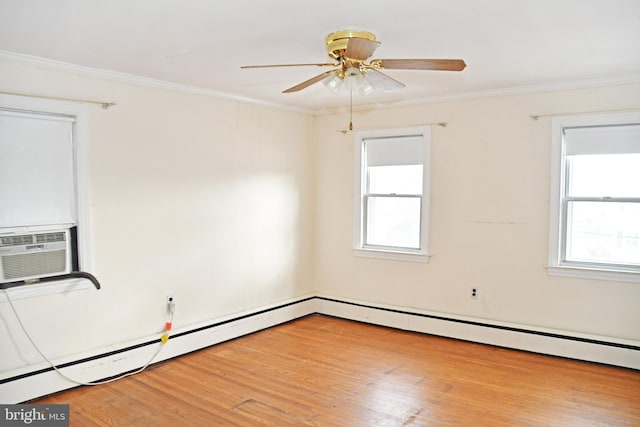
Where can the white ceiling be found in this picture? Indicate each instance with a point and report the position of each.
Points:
(507, 44)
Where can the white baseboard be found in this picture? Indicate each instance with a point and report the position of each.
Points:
(593, 348)
(34, 382)
(107, 363)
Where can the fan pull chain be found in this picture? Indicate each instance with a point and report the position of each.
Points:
(351, 109)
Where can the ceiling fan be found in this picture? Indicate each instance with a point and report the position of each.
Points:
(351, 49)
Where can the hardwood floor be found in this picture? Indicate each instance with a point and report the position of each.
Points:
(330, 372)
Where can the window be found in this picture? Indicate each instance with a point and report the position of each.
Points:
(392, 188)
(595, 213)
(44, 185)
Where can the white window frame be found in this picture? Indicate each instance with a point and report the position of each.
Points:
(557, 233)
(83, 195)
(419, 255)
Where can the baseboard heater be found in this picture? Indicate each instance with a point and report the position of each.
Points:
(29, 385)
(485, 325)
(489, 325)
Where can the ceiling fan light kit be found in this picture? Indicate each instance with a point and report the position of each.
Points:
(352, 79)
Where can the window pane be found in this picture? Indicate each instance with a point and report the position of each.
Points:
(403, 179)
(604, 175)
(36, 170)
(604, 232)
(400, 150)
(393, 221)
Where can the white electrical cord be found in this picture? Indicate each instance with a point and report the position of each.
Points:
(55, 368)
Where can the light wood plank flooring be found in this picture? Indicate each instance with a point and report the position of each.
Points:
(323, 371)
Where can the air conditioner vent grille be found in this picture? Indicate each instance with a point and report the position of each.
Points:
(50, 237)
(33, 264)
(28, 239)
(16, 240)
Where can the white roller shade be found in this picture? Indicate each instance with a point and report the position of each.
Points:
(36, 169)
(405, 150)
(602, 140)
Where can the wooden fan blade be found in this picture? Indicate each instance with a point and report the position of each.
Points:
(381, 81)
(289, 65)
(360, 49)
(423, 64)
(309, 82)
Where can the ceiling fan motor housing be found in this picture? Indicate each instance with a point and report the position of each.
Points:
(337, 42)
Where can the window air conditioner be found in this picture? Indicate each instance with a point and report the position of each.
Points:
(25, 256)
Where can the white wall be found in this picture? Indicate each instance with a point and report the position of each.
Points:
(204, 198)
(489, 218)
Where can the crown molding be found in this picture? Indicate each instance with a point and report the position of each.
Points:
(134, 79)
(585, 83)
(558, 86)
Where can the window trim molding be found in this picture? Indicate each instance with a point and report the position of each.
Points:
(557, 212)
(82, 184)
(420, 255)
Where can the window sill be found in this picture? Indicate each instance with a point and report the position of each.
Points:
(392, 255)
(594, 273)
(48, 288)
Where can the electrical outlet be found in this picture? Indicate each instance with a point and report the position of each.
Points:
(474, 293)
(171, 304)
